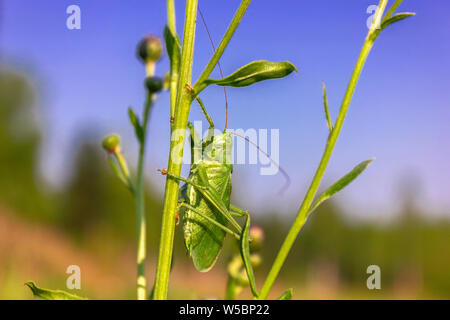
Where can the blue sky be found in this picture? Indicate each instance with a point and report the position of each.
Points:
(400, 113)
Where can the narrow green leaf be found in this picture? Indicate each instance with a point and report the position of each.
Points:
(47, 294)
(340, 184)
(327, 110)
(116, 169)
(287, 295)
(395, 18)
(245, 254)
(136, 124)
(173, 49)
(253, 72)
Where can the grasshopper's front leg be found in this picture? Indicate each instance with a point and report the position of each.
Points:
(164, 172)
(237, 212)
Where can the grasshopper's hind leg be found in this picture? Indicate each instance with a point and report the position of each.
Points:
(227, 230)
(211, 195)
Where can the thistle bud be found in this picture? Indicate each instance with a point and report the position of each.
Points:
(150, 49)
(154, 84)
(257, 238)
(111, 143)
(255, 260)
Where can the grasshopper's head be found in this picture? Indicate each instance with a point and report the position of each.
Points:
(219, 149)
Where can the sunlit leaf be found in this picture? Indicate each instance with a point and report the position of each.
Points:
(395, 18)
(47, 294)
(245, 254)
(287, 295)
(327, 110)
(136, 124)
(173, 48)
(255, 72)
(340, 184)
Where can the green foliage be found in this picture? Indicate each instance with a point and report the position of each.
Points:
(326, 108)
(134, 119)
(245, 254)
(47, 294)
(173, 48)
(287, 295)
(395, 18)
(340, 184)
(253, 72)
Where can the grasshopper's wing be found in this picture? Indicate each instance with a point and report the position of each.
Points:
(203, 239)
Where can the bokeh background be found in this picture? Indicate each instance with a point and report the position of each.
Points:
(62, 90)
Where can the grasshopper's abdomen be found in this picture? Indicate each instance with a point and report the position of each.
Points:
(203, 239)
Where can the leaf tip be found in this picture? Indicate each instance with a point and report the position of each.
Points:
(31, 285)
(294, 67)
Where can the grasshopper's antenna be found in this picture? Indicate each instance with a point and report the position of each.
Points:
(286, 176)
(218, 64)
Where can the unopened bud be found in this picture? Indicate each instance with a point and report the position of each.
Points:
(111, 143)
(255, 260)
(150, 49)
(257, 238)
(154, 84)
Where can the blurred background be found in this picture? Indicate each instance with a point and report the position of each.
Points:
(62, 90)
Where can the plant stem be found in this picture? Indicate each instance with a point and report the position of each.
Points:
(199, 86)
(183, 104)
(140, 208)
(171, 18)
(304, 208)
(171, 23)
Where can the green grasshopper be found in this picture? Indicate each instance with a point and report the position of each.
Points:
(205, 197)
(204, 201)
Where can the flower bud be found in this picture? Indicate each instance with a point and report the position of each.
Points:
(257, 238)
(150, 49)
(154, 84)
(255, 260)
(111, 143)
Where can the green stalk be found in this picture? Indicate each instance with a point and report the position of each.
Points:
(309, 197)
(183, 104)
(171, 18)
(140, 209)
(199, 85)
(184, 99)
(171, 23)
